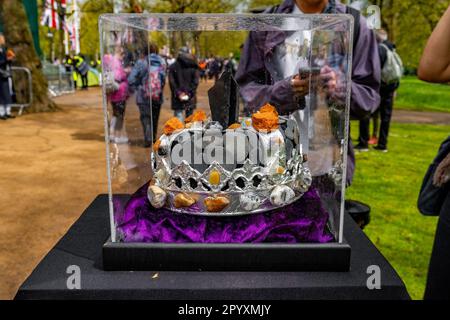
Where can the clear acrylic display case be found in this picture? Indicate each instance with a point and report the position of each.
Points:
(317, 48)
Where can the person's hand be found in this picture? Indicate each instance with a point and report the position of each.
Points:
(333, 84)
(328, 79)
(300, 87)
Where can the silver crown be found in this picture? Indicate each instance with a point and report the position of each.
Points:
(246, 189)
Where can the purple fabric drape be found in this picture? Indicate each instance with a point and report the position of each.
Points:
(303, 221)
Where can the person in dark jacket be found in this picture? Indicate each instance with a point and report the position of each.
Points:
(184, 77)
(149, 103)
(386, 102)
(435, 67)
(215, 68)
(261, 83)
(6, 56)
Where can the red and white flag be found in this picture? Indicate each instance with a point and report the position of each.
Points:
(51, 16)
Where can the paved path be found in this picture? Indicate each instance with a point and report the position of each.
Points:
(406, 116)
(53, 165)
(92, 99)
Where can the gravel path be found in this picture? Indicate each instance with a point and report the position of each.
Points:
(406, 116)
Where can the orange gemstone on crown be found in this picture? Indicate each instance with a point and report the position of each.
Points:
(156, 145)
(172, 125)
(198, 115)
(266, 119)
(234, 126)
(268, 108)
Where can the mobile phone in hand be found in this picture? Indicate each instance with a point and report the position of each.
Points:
(305, 73)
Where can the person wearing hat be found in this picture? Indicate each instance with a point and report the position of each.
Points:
(184, 77)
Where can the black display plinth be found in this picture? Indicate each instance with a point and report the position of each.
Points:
(82, 246)
(119, 256)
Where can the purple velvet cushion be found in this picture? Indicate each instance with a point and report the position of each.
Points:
(303, 221)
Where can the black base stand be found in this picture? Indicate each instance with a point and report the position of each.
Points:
(82, 246)
(226, 257)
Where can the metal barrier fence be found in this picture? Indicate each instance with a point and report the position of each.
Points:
(23, 89)
(60, 80)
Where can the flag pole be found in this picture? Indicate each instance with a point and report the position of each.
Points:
(66, 41)
(76, 26)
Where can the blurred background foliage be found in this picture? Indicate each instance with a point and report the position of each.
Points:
(408, 22)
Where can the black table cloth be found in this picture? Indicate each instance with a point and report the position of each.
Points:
(82, 246)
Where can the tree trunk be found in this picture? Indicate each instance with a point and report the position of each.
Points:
(61, 48)
(18, 38)
(196, 36)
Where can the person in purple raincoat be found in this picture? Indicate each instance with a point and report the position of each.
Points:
(262, 76)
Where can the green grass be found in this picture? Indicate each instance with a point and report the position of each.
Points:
(389, 183)
(414, 94)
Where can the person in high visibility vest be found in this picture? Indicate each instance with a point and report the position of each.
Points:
(96, 64)
(75, 78)
(70, 67)
(82, 69)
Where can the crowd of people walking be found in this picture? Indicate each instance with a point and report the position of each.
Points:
(146, 75)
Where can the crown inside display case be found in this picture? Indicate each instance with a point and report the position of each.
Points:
(247, 168)
(225, 128)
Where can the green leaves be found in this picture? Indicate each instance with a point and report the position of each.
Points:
(409, 24)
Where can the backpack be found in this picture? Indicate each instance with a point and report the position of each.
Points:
(392, 70)
(110, 83)
(152, 84)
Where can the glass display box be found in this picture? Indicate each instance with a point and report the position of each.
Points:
(226, 140)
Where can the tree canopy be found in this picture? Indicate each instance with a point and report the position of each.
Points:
(408, 22)
(18, 37)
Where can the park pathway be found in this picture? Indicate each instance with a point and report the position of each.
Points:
(93, 99)
(407, 116)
